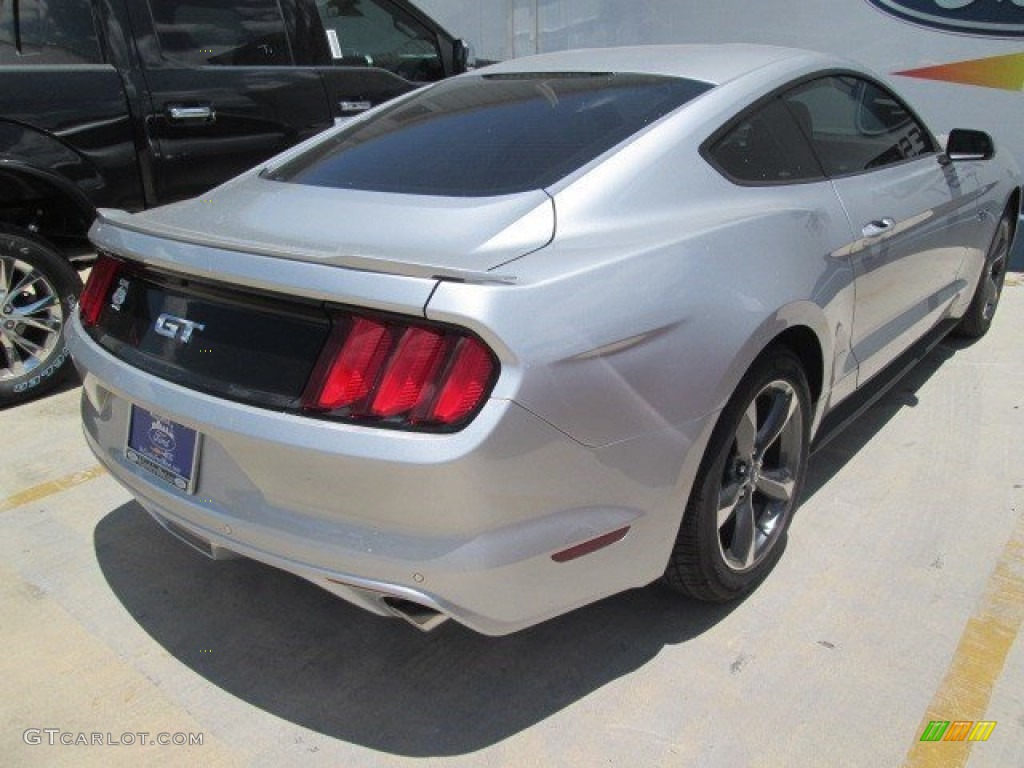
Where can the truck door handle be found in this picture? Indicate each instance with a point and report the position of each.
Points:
(878, 227)
(180, 113)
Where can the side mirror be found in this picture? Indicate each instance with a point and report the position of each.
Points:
(964, 144)
(464, 57)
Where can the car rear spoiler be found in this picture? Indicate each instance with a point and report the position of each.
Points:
(107, 217)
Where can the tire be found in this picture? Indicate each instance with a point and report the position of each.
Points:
(753, 471)
(978, 317)
(38, 289)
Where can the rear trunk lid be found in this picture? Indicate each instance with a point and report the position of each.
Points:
(237, 293)
(244, 346)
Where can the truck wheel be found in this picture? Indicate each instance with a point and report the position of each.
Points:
(38, 288)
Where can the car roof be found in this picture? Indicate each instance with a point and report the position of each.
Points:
(715, 64)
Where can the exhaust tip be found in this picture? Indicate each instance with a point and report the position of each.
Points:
(420, 616)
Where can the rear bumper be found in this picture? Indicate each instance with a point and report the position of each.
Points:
(465, 524)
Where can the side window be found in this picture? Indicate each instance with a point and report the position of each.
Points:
(855, 125)
(370, 33)
(238, 33)
(767, 147)
(48, 32)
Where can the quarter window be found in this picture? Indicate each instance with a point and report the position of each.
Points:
(48, 32)
(369, 33)
(239, 33)
(766, 147)
(855, 125)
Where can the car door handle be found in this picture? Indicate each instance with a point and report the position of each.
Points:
(180, 113)
(878, 227)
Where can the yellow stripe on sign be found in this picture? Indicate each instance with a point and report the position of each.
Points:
(51, 487)
(982, 730)
(978, 661)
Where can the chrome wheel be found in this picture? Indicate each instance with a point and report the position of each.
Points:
(31, 318)
(758, 487)
(38, 288)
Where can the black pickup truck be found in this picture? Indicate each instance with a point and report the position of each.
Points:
(136, 103)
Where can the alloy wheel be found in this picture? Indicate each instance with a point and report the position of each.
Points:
(31, 318)
(758, 487)
(995, 271)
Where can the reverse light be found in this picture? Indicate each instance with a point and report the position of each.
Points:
(391, 372)
(92, 300)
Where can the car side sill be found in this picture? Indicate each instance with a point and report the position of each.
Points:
(864, 397)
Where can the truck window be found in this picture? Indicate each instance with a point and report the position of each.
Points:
(203, 32)
(369, 33)
(48, 32)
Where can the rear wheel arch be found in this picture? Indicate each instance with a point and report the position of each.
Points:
(801, 328)
(45, 204)
(806, 345)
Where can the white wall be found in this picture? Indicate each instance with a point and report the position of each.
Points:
(506, 28)
(501, 29)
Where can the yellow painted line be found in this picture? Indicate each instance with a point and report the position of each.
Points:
(51, 487)
(978, 661)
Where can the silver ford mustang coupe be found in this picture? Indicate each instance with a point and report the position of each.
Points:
(540, 333)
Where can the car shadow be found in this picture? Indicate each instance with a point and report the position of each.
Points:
(293, 650)
(830, 459)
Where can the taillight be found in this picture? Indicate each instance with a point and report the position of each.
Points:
(394, 373)
(102, 276)
(411, 368)
(350, 367)
(466, 382)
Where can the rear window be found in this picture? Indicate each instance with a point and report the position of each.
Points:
(490, 134)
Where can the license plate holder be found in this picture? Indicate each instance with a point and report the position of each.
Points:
(164, 448)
